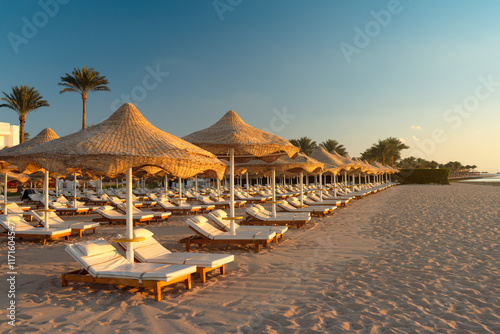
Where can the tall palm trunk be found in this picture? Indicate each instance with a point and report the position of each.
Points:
(22, 120)
(84, 117)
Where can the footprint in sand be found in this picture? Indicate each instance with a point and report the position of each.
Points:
(169, 316)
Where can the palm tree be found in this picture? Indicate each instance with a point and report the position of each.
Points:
(332, 145)
(84, 81)
(306, 145)
(396, 146)
(23, 100)
(387, 151)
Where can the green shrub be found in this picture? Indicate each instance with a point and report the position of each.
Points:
(423, 176)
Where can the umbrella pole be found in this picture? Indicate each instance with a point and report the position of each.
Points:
(100, 185)
(248, 185)
(321, 187)
(130, 222)
(180, 191)
(74, 191)
(218, 190)
(231, 190)
(5, 194)
(335, 185)
(57, 188)
(273, 181)
(196, 183)
(301, 189)
(166, 185)
(46, 197)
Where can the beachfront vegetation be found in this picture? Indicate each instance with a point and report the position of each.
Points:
(306, 144)
(332, 145)
(83, 81)
(23, 100)
(454, 166)
(387, 151)
(423, 176)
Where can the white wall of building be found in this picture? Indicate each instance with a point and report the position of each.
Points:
(9, 135)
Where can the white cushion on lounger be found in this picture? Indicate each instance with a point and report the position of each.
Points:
(81, 225)
(154, 252)
(45, 231)
(95, 247)
(142, 232)
(201, 225)
(112, 264)
(218, 215)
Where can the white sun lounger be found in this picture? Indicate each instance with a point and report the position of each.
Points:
(112, 216)
(103, 264)
(57, 222)
(218, 216)
(257, 215)
(24, 230)
(317, 211)
(208, 234)
(158, 215)
(296, 203)
(151, 251)
(165, 204)
(329, 203)
(63, 209)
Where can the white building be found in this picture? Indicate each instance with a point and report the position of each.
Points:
(9, 135)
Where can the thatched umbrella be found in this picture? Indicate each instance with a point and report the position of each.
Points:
(302, 163)
(333, 163)
(235, 140)
(116, 145)
(10, 156)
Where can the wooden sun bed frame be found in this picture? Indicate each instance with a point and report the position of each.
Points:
(180, 209)
(43, 238)
(202, 271)
(82, 275)
(252, 220)
(202, 240)
(76, 211)
(124, 220)
(312, 213)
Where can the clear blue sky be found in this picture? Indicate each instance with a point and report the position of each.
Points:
(429, 73)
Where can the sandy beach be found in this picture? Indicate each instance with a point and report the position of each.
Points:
(411, 259)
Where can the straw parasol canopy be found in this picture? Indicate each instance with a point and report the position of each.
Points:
(14, 152)
(232, 138)
(364, 167)
(247, 141)
(332, 163)
(125, 140)
(302, 163)
(21, 177)
(345, 162)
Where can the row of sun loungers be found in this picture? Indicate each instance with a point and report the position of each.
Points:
(155, 266)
